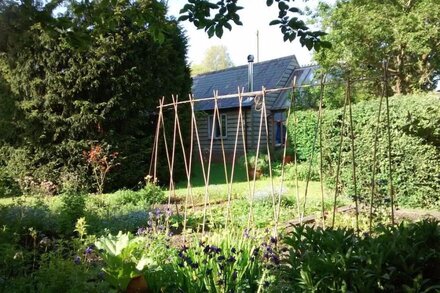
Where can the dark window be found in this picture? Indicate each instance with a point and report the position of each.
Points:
(280, 128)
(221, 127)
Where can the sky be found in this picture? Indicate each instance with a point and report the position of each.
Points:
(242, 40)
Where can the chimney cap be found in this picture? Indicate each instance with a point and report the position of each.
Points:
(250, 58)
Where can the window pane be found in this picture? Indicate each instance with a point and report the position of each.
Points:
(224, 124)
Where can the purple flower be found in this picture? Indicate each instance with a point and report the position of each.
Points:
(140, 231)
(273, 240)
(206, 249)
(275, 259)
(168, 212)
(231, 259)
(158, 212)
(170, 234)
(88, 250)
(233, 250)
(195, 265)
(216, 249)
(77, 260)
(221, 258)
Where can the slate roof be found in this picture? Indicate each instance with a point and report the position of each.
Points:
(271, 74)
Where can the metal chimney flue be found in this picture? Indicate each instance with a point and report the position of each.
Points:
(250, 59)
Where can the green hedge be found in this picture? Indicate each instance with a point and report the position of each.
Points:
(415, 134)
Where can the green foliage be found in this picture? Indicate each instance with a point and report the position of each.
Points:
(366, 32)
(415, 148)
(304, 131)
(302, 172)
(402, 258)
(225, 11)
(259, 164)
(8, 186)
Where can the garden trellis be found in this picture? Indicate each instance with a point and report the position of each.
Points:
(193, 150)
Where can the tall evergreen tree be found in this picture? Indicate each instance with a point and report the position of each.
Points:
(93, 75)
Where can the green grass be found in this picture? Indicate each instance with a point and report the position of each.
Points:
(241, 193)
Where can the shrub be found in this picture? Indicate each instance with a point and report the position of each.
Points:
(8, 186)
(302, 172)
(261, 164)
(149, 195)
(415, 148)
(72, 208)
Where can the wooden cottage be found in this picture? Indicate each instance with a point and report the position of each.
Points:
(276, 73)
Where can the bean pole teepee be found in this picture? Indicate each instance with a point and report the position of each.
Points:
(194, 151)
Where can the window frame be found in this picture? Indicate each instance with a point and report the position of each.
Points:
(223, 123)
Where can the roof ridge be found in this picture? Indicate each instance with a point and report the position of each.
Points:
(245, 65)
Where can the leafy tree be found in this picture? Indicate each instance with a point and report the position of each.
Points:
(364, 33)
(216, 58)
(225, 12)
(91, 76)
